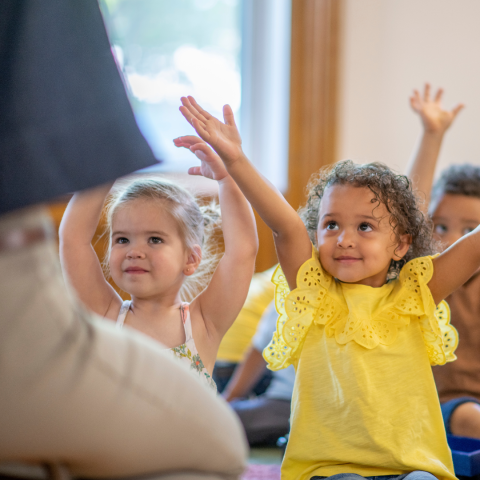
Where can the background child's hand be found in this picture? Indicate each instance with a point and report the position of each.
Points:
(434, 118)
(223, 137)
(212, 165)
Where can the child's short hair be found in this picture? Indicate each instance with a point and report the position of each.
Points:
(456, 180)
(389, 188)
(197, 224)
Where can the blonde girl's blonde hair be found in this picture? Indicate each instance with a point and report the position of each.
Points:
(197, 224)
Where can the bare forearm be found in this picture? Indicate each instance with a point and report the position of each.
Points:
(421, 167)
(81, 217)
(245, 376)
(239, 227)
(264, 197)
(455, 265)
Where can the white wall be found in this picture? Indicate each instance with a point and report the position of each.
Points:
(388, 48)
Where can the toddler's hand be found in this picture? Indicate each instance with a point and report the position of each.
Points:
(434, 118)
(212, 165)
(223, 137)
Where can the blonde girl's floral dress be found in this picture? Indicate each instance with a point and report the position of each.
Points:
(186, 352)
(364, 399)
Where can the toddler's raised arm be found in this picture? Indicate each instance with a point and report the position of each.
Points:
(436, 121)
(79, 261)
(455, 266)
(291, 237)
(222, 300)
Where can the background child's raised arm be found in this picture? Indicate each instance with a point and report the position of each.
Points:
(435, 120)
(79, 261)
(291, 238)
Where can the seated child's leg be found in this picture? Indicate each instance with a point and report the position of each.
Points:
(462, 417)
(418, 475)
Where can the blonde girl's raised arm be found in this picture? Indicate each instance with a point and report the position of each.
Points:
(79, 261)
(291, 238)
(222, 300)
(455, 266)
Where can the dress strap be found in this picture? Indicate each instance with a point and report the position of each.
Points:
(123, 313)
(187, 323)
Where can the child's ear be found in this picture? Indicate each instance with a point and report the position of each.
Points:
(193, 260)
(402, 247)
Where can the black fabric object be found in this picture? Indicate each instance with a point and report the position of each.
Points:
(65, 120)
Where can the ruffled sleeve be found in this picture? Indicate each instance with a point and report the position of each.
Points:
(415, 299)
(319, 299)
(297, 310)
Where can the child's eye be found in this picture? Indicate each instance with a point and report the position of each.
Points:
(468, 230)
(155, 240)
(121, 240)
(331, 226)
(441, 229)
(365, 227)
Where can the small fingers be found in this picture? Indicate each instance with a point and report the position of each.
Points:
(426, 92)
(194, 171)
(202, 147)
(199, 109)
(228, 115)
(187, 114)
(186, 141)
(457, 109)
(191, 108)
(415, 100)
(438, 95)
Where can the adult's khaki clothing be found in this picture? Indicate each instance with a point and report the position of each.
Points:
(104, 402)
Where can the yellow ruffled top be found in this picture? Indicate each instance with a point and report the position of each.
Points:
(364, 400)
(318, 299)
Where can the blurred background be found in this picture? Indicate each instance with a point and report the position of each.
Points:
(310, 81)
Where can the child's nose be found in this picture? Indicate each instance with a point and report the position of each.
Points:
(135, 252)
(345, 239)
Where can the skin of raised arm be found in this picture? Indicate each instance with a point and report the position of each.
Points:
(291, 238)
(246, 375)
(435, 121)
(225, 295)
(455, 266)
(79, 261)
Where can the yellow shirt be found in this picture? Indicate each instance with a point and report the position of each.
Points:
(239, 337)
(364, 400)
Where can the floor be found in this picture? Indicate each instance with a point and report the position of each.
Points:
(265, 456)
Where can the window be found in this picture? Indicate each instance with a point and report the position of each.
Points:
(219, 51)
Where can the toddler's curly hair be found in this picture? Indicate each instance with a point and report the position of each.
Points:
(388, 187)
(456, 180)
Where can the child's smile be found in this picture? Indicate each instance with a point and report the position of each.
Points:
(355, 240)
(148, 256)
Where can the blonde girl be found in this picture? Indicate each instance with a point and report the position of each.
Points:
(156, 232)
(357, 293)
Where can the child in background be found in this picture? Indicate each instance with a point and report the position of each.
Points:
(455, 210)
(156, 233)
(358, 316)
(264, 417)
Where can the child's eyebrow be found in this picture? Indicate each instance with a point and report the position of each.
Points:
(465, 220)
(368, 217)
(153, 232)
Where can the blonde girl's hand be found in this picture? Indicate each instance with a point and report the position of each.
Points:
(434, 117)
(223, 137)
(211, 166)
